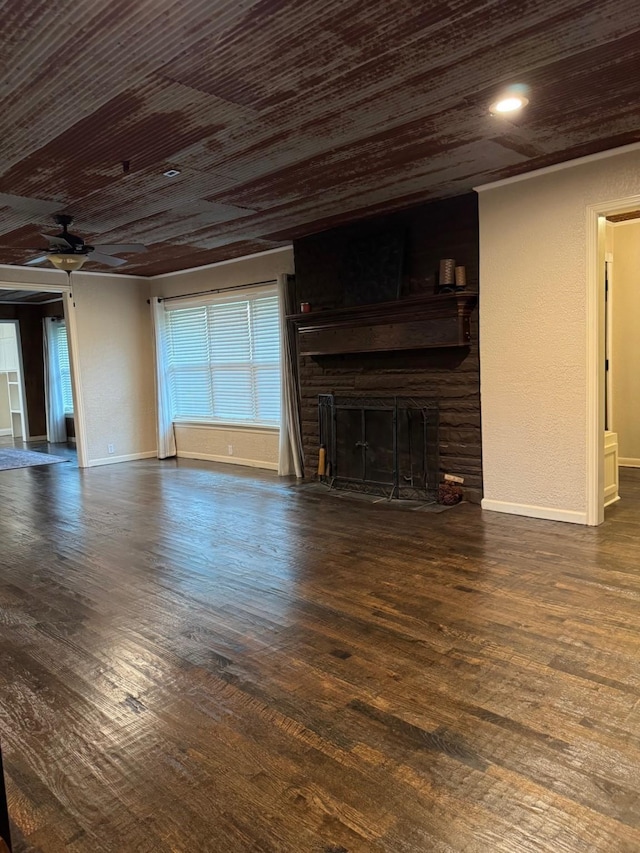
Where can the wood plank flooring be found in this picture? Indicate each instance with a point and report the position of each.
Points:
(204, 659)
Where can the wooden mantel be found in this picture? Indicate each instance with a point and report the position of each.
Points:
(406, 324)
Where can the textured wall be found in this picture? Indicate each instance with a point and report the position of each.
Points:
(625, 356)
(533, 332)
(451, 376)
(115, 355)
(116, 365)
(250, 447)
(230, 274)
(241, 446)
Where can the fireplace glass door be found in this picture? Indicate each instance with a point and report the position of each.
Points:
(365, 446)
(386, 446)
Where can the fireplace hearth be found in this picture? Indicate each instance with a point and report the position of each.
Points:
(384, 446)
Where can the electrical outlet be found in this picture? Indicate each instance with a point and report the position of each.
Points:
(230, 449)
(110, 448)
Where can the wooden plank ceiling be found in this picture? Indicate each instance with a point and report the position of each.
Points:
(28, 297)
(624, 217)
(285, 118)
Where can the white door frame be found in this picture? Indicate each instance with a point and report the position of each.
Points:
(74, 361)
(596, 214)
(608, 355)
(79, 419)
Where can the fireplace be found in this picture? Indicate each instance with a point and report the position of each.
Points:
(422, 345)
(380, 445)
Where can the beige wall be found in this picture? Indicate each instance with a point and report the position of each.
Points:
(249, 446)
(115, 356)
(116, 360)
(533, 343)
(625, 354)
(254, 446)
(228, 274)
(116, 366)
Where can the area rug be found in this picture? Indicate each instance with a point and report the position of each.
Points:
(12, 458)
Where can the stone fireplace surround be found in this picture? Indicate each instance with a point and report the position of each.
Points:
(449, 376)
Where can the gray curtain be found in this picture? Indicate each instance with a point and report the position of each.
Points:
(164, 416)
(291, 457)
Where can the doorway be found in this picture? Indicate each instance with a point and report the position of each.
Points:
(44, 398)
(622, 309)
(13, 413)
(602, 411)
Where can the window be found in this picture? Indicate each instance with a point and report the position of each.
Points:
(224, 360)
(62, 353)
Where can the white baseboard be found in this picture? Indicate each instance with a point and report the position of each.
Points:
(229, 460)
(129, 457)
(6, 431)
(611, 501)
(546, 512)
(628, 462)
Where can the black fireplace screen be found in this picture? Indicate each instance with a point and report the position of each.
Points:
(381, 445)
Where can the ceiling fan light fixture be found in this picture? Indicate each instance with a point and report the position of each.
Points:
(67, 262)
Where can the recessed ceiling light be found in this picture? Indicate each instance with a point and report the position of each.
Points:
(510, 101)
(171, 173)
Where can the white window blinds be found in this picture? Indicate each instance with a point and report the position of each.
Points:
(64, 369)
(224, 359)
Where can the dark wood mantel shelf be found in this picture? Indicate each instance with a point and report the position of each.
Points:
(406, 324)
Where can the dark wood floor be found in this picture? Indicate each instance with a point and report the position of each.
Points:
(208, 659)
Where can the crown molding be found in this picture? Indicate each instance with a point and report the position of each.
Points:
(40, 273)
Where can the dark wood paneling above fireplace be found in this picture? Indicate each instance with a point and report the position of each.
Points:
(421, 322)
(446, 229)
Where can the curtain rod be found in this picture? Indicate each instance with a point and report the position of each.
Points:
(216, 290)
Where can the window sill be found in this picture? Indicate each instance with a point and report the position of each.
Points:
(226, 425)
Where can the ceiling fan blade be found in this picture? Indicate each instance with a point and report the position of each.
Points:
(120, 248)
(56, 242)
(108, 260)
(40, 259)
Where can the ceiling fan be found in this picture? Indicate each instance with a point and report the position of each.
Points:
(69, 252)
